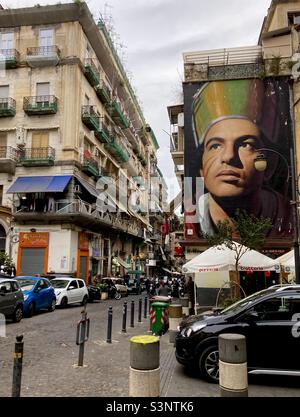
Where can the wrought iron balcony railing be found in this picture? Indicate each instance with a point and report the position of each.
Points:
(90, 166)
(7, 107)
(43, 51)
(91, 72)
(8, 152)
(39, 105)
(89, 117)
(37, 156)
(103, 92)
(11, 57)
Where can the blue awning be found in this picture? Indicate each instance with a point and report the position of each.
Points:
(41, 184)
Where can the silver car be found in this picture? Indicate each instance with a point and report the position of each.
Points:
(11, 299)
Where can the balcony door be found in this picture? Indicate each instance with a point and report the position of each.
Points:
(7, 40)
(40, 145)
(42, 94)
(46, 37)
(4, 94)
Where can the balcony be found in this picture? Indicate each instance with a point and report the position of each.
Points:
(11, 58)
(7, 107)
(142, 158)
(37, 157)
(8, 159)
(90, 118)
(118, 114)
(103, 92)
(78, 212)
(91, 72)
(40, 105)
(42, 56)
(118, 150)
(102, 134)
(132, 165)
(90, 166)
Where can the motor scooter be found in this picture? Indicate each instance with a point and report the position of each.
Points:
(114, 293)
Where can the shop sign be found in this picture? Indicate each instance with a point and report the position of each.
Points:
(83, 241)
(36, 239)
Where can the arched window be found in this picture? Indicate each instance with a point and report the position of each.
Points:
(2, 239)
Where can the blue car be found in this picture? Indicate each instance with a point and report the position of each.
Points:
(38, 294)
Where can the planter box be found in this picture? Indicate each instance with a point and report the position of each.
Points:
(104, 295)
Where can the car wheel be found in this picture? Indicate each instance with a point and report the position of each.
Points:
(30, 311)
(209, 364)
(64, 302)
(18, 314)
(118, 296)
(84, 300)
(52, 306)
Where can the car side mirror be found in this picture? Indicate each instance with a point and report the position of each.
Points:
(37, 290)
(3, 290)
(71, 288)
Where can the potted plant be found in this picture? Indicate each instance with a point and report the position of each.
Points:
(104, 291)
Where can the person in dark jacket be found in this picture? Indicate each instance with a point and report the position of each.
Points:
(163, 289)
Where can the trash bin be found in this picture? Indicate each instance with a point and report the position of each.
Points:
(159, 316)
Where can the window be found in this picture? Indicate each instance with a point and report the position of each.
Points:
(86, 100)
(42, 90)
(2, 238)
(81, 284)
(40, 144)
(15, 286)
(7, 40)
(88, 52)
(1, 187)
(73, 284)
(46, 38)
(4, 94)
(278, 308)
(43, 284)
(7, 285)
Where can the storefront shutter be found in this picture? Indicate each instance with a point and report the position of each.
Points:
(32, 261)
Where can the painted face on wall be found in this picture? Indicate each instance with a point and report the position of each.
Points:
(230, 147)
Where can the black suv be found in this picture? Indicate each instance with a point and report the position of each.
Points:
(270, 321)
(11, 299)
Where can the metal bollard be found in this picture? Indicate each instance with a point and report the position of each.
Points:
(124, 317)
(82, 335)
(140, 311)
(132, 314)
(145, 307)
(233, 365)
(18, 362)
(144, 375)
(109, 324)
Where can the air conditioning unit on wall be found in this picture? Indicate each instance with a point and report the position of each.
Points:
(77, 188)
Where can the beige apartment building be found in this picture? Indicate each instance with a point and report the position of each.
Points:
(76, 154)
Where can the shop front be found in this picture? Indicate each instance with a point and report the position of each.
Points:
(83, 256)
(33, 253)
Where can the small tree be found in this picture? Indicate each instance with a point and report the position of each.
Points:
(248, 230)
(6, 261)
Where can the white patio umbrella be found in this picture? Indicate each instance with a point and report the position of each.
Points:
(221, 258)
(287, 261)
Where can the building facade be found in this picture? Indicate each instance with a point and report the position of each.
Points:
(76, 151)
(213, 87)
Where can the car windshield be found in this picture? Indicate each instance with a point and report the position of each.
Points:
(246, 302)
(26, 284)
(60, 283)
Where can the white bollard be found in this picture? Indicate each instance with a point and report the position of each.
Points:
(144, 375)
(233, 376)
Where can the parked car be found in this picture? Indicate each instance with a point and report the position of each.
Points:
(11, 299)
(119, 284)
(133, 287)
(94, 292)
(38, 294)
(268, 320)
(70, 291)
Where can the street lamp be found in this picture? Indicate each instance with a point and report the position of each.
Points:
(260, 164)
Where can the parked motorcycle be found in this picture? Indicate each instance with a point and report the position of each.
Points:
(114, 293)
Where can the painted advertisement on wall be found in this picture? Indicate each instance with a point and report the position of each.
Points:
(228, 124)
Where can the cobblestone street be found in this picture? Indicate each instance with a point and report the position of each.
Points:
(50, 353)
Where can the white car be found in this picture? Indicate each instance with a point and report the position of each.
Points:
(70, 291)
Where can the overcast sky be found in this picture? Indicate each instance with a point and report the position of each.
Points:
(153, 35)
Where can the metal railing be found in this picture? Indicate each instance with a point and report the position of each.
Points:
(7, 103)
(10, 53)
(88, 110)
(226, 56)
(39, 101)
(90, 62)
(37, 153)
(90, 161)
(8, 152)
(43, 51)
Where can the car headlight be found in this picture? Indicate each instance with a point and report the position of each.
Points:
(25, 297)
(195, 327)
